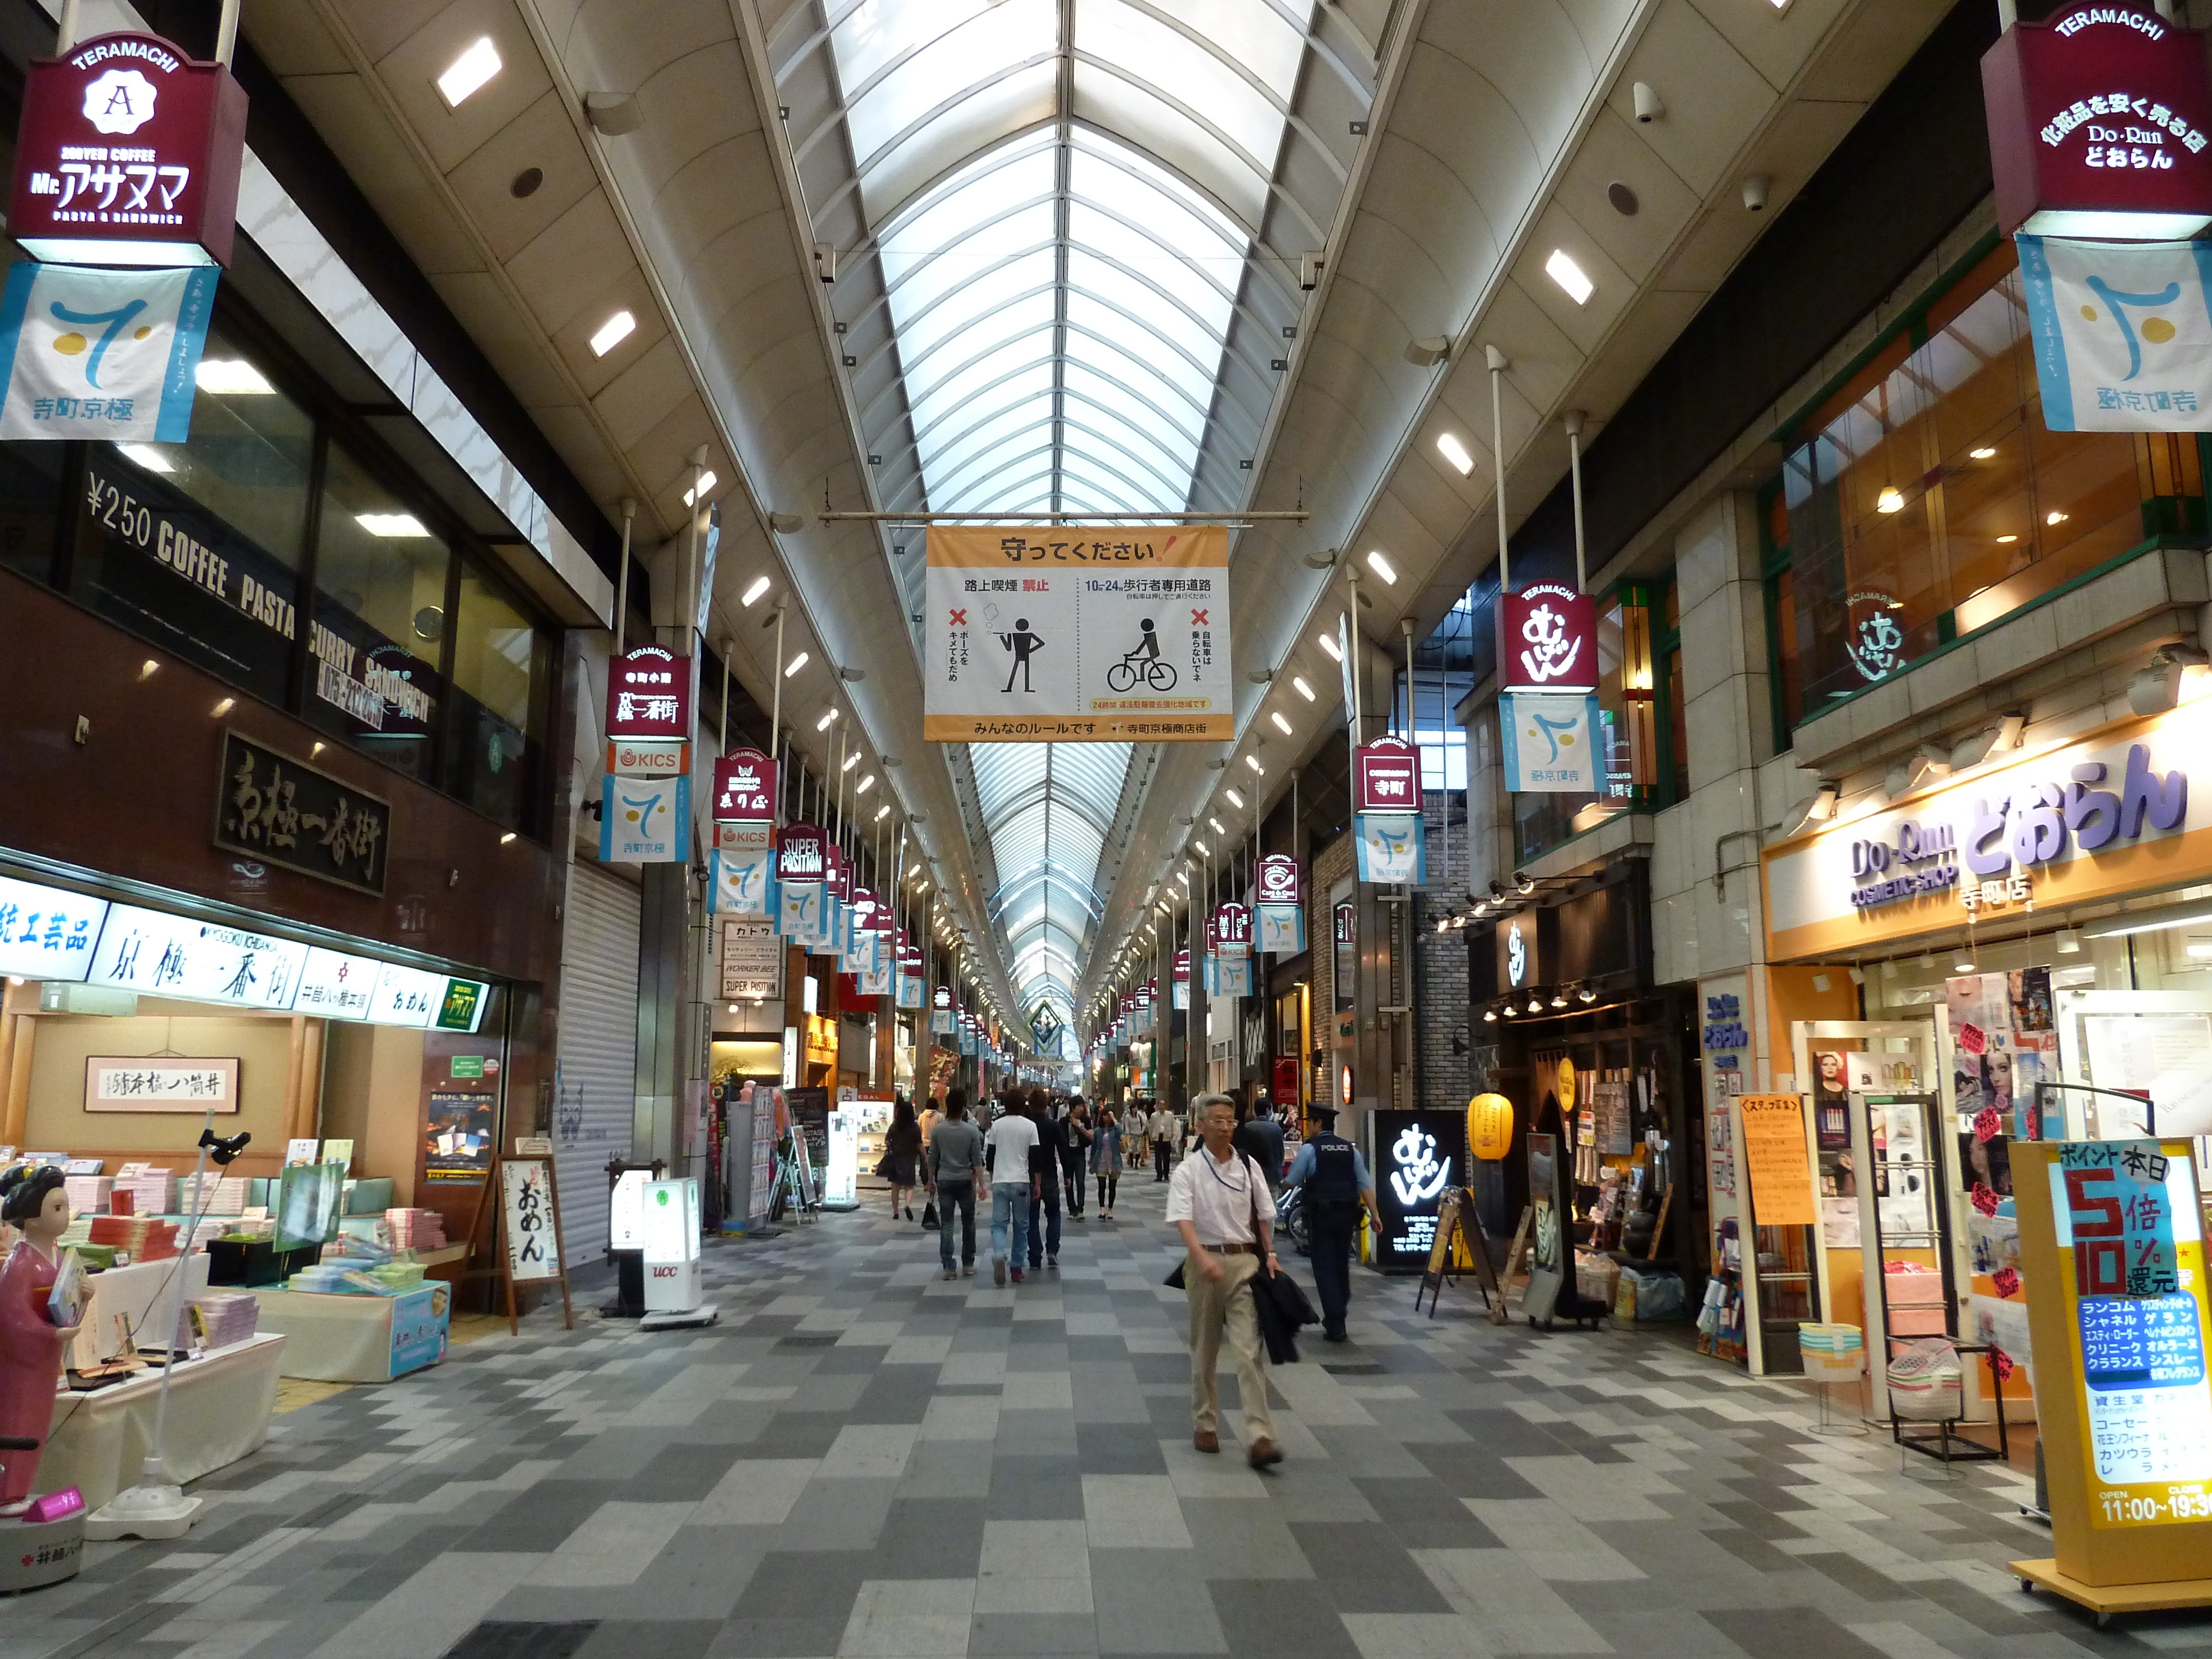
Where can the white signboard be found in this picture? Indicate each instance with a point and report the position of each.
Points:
(533, 1231)
(645, 820)
(131, 1084)
(405, 996)
(334, 986)
(1093, 635)
(2168, 1056)
(1550, 742)
(146, 952)
(46, 932)
(753, 959)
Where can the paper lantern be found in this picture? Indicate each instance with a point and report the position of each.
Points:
(1490, 1125)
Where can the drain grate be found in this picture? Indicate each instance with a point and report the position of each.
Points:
(827, 1339)
(1354, 1368)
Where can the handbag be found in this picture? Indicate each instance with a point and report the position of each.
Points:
(929, 1214)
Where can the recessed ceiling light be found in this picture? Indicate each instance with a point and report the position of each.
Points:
(1299, 684)
(1204, 850)
(1380, 566)
(1328, 644)
(1570, 275)
(754, 589)
(851, 760)
(1981, 454)
(148, 457)
(1892, 500)
(2054, 518)
(706, 483)
(794, 665)
(467, 74)
(1253, 761)
(612, 332)
(866, 784)
(1449, 446)
(880, 811)
(828, 715)
(1217, 830)
(1235, 799)
(397, 524)
(2003, 539)
(230, 377)
(1281, 725)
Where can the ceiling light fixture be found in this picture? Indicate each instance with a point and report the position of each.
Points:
(1981, 454)
(1299, 684)
(754, 589)
(1281, 725)
(828, 715)
(399, 525)
(1380, 566)
(794, 665)
(851, 760)
(2003, 541)
(1449, 446)
(1204, 850)
(697, 493)
(1330, 645)
(865, 785)
(1217, 830)
(612, 332)
(1253, 761)
(467, 74)
(228, 377)
(2054, 518)
(1235, 799)
(1569, 275)
(1892, 500)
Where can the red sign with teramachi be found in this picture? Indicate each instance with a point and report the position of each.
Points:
(127, 153)
(745, 787)
(1389, 776)
(649, 694)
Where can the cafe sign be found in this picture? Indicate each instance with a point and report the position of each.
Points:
(2111, 814)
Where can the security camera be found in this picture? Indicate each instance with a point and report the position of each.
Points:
(1649, 108)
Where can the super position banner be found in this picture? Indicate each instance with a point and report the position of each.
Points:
(1097, 636)
(94, 352)
(2122, 333)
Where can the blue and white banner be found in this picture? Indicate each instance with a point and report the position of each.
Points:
(1282, 928)
(1550, 740)
(744, 883)
(802, 913)
(644, 820)
(1230, 976)
(2122, 333)
(92, 353)
(908, 990)
(1392, 848)
(875, 979)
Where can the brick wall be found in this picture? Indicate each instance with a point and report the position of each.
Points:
(1440, 960)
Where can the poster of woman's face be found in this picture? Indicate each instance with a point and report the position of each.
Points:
(1828, 1074)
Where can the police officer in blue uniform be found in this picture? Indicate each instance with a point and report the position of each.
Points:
(1333, 1179)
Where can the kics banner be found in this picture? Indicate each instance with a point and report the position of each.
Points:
(1097, 636)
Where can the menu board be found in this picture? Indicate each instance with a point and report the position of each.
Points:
(1775, 1161)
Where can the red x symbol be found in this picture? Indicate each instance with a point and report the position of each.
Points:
(959, 619)
(1198, 619)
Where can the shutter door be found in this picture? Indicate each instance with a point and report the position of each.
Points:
(597, 1085)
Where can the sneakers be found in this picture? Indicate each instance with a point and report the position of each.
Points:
(1334, 1336)
(1053, 1262)
(999, 1270)
(1263, 1454)
(1206, 1440)
(948, 1273)
(968, 1270)
(1020, 1278)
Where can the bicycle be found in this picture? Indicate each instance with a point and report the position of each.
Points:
(1160, 676)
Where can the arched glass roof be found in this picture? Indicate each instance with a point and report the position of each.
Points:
(1066, 241)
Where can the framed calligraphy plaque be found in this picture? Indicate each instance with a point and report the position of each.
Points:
(271, 807)
(123, 1083)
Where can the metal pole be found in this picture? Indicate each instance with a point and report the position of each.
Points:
(66, 38)
(775, 691)
(1574, 425)
(729, 650)
(1351, 672)
(692, 573)
(226, 33)
(622, 581)
(1499, 364)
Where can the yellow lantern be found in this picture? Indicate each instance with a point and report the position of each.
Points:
(1490, 1125)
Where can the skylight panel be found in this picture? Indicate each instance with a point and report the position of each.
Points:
(1236, 179)
(974, 52)
(1145, 50)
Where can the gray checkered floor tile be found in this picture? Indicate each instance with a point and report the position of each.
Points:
(862, 1459)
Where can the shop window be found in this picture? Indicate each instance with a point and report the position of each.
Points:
(31, 485)
(381, 620)
(501, 676)
(196, 546)
(1927, 499)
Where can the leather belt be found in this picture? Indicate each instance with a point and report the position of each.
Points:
(1234, 1249)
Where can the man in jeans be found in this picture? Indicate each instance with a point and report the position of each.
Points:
(1044, 1170)
(1006, 1152)
(956, 1152)
(1220, 1203)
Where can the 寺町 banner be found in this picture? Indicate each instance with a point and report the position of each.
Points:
(1078, 635)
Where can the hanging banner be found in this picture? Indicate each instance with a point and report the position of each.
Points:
(1180, 980)
(2122, 333)
(1229, 976)
(127, 153)
(1392, 848)
(1550, 742)
(802, 855)
(1229, 930)
(649, 694)
(1548, 639)
(1389, 776)
(645, 820)
(1277, 881)
(102, 354)
(745, 787)
(743, 884)
(803, 912)
(1101, 635)
(1282, 928)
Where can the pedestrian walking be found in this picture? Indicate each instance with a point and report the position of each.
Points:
(1260, 1138)
(1165, 1129)
(1072, 1156)
(956, 1162)
(1106, 1162)
(902, 1160)
(1336, 1182)
(1044, 1169)
(1218, 1202)
(1006, 1152)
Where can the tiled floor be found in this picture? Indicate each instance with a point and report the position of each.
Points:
(863, 1460)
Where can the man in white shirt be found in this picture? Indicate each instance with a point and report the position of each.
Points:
(1219, 1201)
(1007, 1153)
(1164, 1129)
